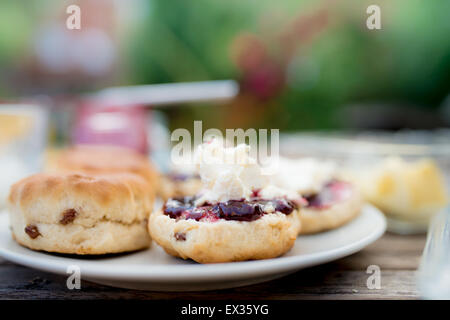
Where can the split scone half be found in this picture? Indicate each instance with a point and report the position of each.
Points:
(234, 230)
(236, 216)
(334, 205)
(181, 180)
(175, 185)
(331, 202)
(81, 214)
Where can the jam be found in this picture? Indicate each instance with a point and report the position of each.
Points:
(237, 210)
(182, 176)
(333, 192)
(175, 207)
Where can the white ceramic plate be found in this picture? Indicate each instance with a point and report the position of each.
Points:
(153, 269)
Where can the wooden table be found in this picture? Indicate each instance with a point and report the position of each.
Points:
(397, 257)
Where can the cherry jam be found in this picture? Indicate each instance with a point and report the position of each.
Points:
(182, 176)
(237, 210)
(333, 192)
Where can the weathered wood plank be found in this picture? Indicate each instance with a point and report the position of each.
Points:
(308, 284)
(397, 256)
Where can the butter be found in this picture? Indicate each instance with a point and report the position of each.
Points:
(410, 190)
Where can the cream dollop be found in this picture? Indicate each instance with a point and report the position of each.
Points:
(227, 173)
(305, 175)
(271, 191)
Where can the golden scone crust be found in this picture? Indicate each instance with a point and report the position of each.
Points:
(225, 241)
(103, 159)
(81, 214)
(171, 188)
(317, 220)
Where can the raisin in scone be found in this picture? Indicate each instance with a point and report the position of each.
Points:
(236, 217)
(331, 202)
(81, 214)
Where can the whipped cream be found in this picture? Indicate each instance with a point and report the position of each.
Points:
(227, 173)
(271, 191)
(305, 175)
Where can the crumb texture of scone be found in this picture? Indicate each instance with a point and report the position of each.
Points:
(225, 241)
(315, 220)
(81, 214)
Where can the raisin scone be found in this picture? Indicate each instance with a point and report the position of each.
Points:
(81, 214)
(331, 202)
(181, 180)
(176, 184)
(103, 159)
(236, 217)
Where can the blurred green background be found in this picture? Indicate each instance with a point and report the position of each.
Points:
(300, 64)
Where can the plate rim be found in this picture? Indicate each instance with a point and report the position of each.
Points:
(194, 272)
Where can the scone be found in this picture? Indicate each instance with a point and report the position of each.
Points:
(336, 204)
(181, 180)
(236, 217)
(103, 159)
(175, 185)
(331, 202)
(227, 231)
(81, 214)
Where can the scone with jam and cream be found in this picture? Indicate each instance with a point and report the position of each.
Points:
(237, 216)
(180, 181)
(331, 202)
